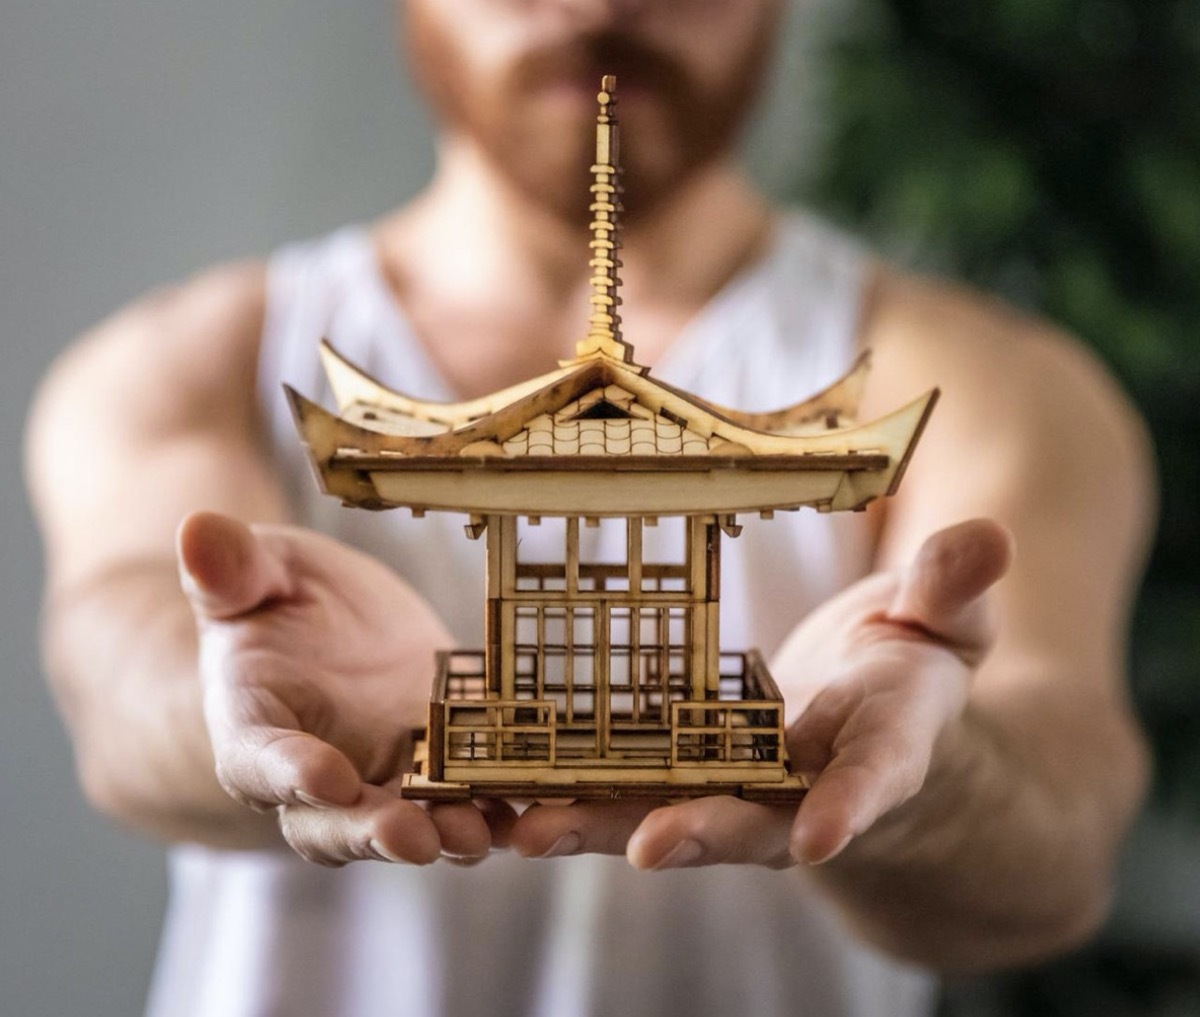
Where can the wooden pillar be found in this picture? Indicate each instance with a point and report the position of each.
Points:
(713, 607)
(499, 616)
(704, 581)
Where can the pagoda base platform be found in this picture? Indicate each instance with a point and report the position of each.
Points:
(416, 785)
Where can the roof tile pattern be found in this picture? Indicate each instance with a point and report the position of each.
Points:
(625, 428)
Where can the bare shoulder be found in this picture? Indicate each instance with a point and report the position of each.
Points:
(985, 352)
(184, 349)
(1029, 419)
(147, 416)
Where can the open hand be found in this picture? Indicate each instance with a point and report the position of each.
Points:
(316, 663)
(873, 678)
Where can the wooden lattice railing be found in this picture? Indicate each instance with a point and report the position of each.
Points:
(742, 728)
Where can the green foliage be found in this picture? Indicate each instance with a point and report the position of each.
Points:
(1049, 150)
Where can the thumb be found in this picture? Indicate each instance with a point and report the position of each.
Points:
(224, 567)
(942, 592)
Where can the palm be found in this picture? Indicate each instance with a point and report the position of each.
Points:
(316, 662)
(854, 674)
(345, 655)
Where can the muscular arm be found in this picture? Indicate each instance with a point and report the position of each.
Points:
(1007, 851)
(150, 416)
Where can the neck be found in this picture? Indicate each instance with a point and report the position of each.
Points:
(474, 248)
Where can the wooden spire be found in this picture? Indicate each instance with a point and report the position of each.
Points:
(604, 325)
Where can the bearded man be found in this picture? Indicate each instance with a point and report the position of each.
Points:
(964, 707)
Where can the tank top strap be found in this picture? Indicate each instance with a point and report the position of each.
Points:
(307, 283)
(819, 278)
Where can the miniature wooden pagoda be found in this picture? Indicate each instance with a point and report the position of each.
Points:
(602, 678)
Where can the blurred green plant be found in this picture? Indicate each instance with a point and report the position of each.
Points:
(1049, 150)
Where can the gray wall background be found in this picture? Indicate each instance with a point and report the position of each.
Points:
(141, 140)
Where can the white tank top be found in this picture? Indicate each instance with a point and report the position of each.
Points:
(264, 933)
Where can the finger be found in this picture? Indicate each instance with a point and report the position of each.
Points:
(462, 830)
(864, 781)
(224, 568)
(941, 592)
(877, 736)
(812, 736)
(583, 828)
(500, 817)
(274, 766)
(713, 831)
(379, 826)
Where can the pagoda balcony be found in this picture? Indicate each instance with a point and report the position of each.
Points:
(484, 742)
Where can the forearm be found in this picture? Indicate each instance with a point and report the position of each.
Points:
(1006, 855)
(121, 652)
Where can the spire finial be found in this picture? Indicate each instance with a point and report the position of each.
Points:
(604, 325)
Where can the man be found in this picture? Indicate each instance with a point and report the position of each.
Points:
(963, 708)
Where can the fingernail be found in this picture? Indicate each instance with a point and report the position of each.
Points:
(686, 852)
(189, 583)
(383, 854)
(798, 852)
(313, 801)
(567, 844)
(465, 861)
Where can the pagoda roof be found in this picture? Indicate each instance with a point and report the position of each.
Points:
(599, 436)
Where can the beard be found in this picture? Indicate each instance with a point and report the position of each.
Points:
(536, 121)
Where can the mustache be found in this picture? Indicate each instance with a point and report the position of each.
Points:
(584, 59)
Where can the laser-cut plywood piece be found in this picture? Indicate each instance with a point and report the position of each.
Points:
(602, 678)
